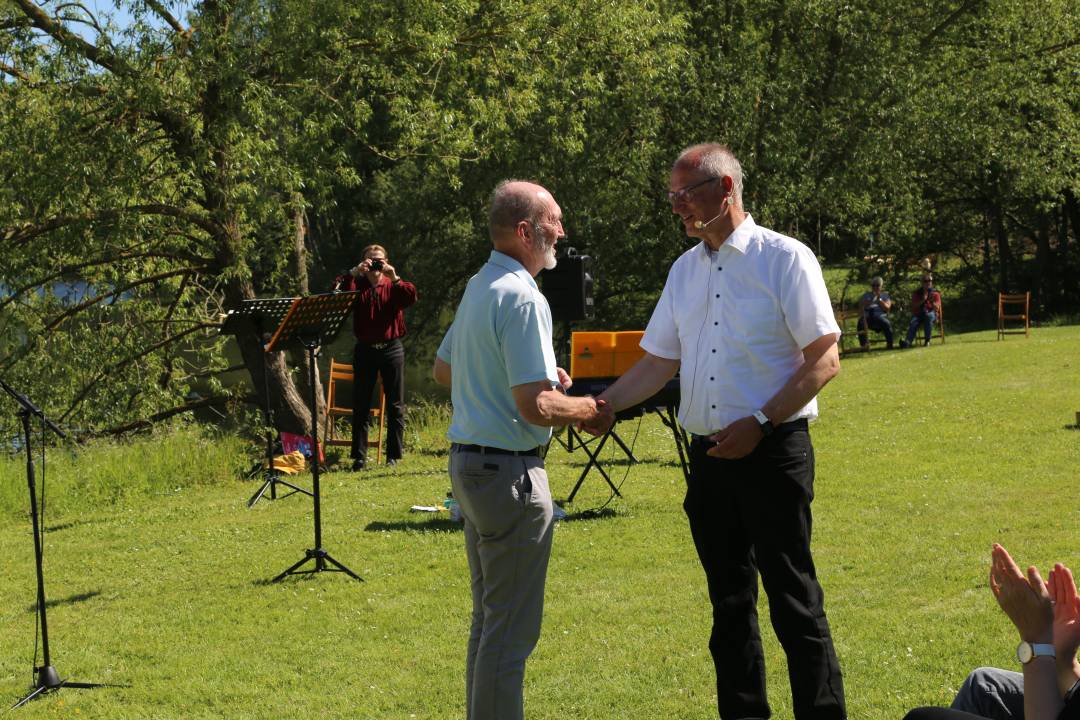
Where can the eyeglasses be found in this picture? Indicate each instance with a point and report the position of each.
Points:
(928, 280)
(682, 194)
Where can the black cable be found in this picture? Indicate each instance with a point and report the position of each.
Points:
(630, 464)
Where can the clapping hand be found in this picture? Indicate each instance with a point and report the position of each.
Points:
(1066, 601)
(1025, 600)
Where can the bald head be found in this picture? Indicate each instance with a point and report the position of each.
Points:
(714, 160)
(514, 201)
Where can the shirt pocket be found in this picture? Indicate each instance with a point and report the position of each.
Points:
(754, 318)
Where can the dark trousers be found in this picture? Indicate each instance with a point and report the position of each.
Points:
(750, 515)
(368, 363)
(936, 713)
(876, 321)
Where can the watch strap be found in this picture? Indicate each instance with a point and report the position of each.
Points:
(1026, 652)
(764, 422)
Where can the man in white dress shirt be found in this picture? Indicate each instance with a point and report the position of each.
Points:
(746, 316)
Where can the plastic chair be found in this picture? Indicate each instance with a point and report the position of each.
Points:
(1018, 300)
(343, 372)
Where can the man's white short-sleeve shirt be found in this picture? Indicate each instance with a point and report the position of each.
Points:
(737, 319)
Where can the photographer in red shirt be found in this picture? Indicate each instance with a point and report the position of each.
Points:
(379, 325)
(925, 310)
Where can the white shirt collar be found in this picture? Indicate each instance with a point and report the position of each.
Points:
(738, 240)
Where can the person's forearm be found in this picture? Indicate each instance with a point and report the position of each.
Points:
(441, 372)
(554, 408)
(640, 382)
(1068, 673)
(821, 363)
(1042, 699)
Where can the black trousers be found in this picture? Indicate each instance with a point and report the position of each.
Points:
(937, 713)
(368, 364)
(750, 515)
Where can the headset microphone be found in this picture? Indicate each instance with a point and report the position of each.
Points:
(702, 225)
(730, 200)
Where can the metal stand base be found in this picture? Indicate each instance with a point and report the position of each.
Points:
(273, 479)
(321, 558)
(48, 680)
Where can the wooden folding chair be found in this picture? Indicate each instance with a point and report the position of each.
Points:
(1004, 316)
(343, 372)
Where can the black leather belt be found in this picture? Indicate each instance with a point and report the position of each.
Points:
(380, 345)
(782, 428)
(484, 450)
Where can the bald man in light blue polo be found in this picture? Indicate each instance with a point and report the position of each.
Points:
(498, 361)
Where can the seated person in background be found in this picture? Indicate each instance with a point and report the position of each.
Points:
(1047, 616)
(925, 310)
(875, 306)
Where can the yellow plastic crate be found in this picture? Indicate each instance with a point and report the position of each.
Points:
(604, 354)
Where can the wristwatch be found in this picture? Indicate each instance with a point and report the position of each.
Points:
(1026, 652)
(764, 422)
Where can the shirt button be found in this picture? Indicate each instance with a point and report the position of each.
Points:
(713, 407)
(714, 349)
(719, 268)
(717, 294)
(716, 322)
(712, 378)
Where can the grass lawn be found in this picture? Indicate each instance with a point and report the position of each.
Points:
(156, 571)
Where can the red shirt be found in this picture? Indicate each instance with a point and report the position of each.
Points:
(921, 302)
(378, 314)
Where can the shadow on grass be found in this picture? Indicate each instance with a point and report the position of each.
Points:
(442, 451)
(429, 525)
(587, 514)
(69, 600)
(68, 525)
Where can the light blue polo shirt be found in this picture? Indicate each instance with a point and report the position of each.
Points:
(500, 338)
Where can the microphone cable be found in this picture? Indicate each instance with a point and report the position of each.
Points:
(595, 512)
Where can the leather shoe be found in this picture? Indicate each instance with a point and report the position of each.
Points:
(357, 465)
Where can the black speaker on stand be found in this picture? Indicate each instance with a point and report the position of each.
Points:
(569, 288)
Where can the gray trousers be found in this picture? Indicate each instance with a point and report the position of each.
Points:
(992, 693)
(506, 504)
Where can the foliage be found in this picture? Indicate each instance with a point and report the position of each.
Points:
(177, 165)
(156, 580)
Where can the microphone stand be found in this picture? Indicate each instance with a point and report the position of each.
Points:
(46, 677)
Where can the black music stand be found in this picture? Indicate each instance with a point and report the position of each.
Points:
(263, 316)
(594, 456)
(314, 321)
(46, 677)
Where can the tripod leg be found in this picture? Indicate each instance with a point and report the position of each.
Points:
(342, 568)
(589, 465)
(36, 691)
(259, 493)
(292, 568)
(295, 489)
(619, 441)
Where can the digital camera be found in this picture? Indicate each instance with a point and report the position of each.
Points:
(376, 265)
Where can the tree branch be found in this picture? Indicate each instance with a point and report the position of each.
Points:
(68, 269)
(70, 40)
(165, 15)
(14, 72)
(19, 236)
(166, 414)
(121, 364)
(118, 291)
